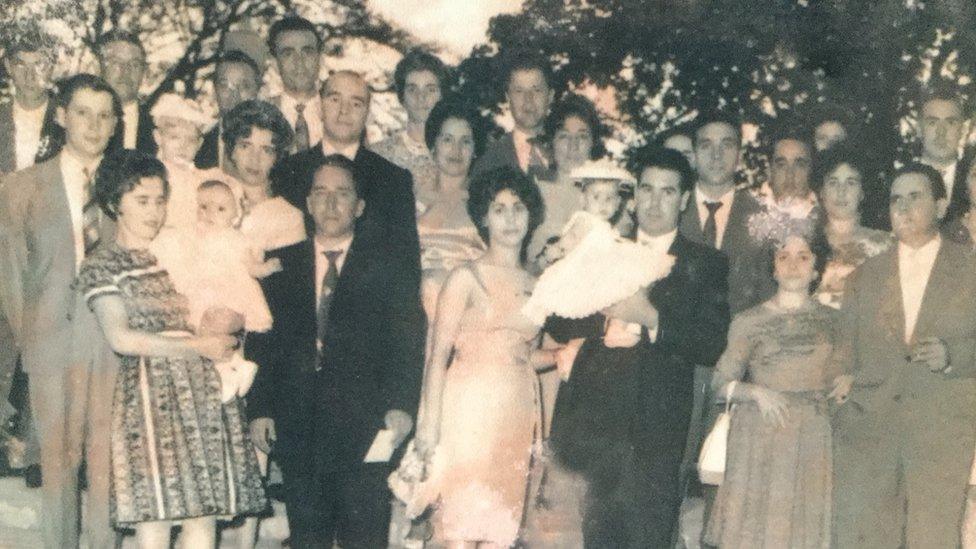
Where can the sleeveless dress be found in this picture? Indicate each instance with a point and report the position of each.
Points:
(777, 487)
(490, 420)
(177, 452)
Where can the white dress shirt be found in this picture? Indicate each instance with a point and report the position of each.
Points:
(312, 114)
(948, 176)
(73, 174)
(27, 133)
(322, 264)
(130, 118)
(914, 268)
(349, 152)
(721, 214)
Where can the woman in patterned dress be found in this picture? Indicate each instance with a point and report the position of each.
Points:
(178, 454)
(482, 407)
(838, 179)
(420, 79)
(781, 356)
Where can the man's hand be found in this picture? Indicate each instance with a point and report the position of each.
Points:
(635, 309)
(263, 434)
(400, 423)
(932, 352)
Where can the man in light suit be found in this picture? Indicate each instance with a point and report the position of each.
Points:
(45, 231)
(903, 440)
(528, 89)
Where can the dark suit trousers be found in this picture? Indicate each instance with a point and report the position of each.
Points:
(351, 507)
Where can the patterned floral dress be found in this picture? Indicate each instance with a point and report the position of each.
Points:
(177, 452)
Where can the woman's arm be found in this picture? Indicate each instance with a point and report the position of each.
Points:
(114, 321)
(451, 304)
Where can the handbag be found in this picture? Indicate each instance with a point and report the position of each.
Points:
(711, 460)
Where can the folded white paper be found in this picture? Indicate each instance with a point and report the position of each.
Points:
(382, 448)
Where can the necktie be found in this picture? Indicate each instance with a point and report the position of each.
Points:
(537, 162)
(301, 129)
(711, 228)
(89, 215)
(329, 280)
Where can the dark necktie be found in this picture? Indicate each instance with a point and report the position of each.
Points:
(89, 215)
(301, 129)
(711, 228)
(329, 280)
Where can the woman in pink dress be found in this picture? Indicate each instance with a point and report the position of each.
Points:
(482, 413)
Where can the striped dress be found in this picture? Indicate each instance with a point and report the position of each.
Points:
(177, 452)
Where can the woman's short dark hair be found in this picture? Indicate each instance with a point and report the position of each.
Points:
(487, 185)
(418, 60)
(575, 105)
(832, 158)
(819, 247)
(120, 173)
(454, 107)
(254, 113)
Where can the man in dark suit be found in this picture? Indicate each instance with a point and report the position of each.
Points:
(387, 188)
(528, 89)
(122, 62)
(343, 361)
(296, 46)
(622, 418)
(941, 127)
(718, 215)
(903, 441)
(236, 78)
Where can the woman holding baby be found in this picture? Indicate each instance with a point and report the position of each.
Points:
(179, 455)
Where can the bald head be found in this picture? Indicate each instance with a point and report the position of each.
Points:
(345, 107)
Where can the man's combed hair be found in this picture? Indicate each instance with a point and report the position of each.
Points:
(292, 23)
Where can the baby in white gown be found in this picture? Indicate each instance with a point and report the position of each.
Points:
(215, 268)
(598, 267)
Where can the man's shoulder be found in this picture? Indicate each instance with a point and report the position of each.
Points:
(689, 251)
(375, 163)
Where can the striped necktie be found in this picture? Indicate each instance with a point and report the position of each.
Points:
(90, 214)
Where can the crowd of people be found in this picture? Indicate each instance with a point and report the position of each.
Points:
(448, 340)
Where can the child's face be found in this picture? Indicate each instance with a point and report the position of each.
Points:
(601, 198)
(178, 141)
(216, 207)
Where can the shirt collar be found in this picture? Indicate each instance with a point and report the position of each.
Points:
(929, 249)
(73, 164)
(725, 199)
(342, 247)
(39, 112)
(349, 152)
(663, 241)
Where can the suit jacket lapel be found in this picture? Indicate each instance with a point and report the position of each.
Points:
(891, 311)
(736, 225)
(50, 178)
(934, 299)
(8, 156)
(691, 223)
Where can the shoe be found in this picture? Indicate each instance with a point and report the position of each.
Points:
(32, 476)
